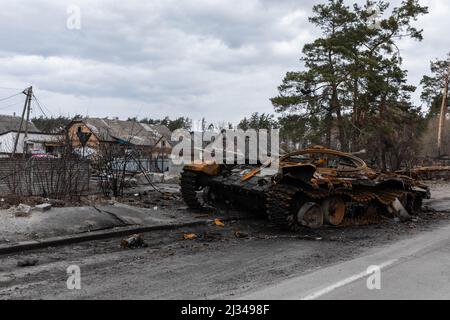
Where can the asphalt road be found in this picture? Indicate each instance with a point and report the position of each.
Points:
(248, 259)
(262, 263)
(417, 268)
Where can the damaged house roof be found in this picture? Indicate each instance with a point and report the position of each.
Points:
(136, 133)
(11, 123)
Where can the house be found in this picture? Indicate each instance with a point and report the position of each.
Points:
(36, 141)
(151, 141)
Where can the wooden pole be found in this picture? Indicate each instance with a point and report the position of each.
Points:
(25, 146)
(21, 122)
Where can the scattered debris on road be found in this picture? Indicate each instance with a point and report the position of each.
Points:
(309, 237)
(11, 201)
(133, 242)
(22, 210)
(43, 207)
(240, 235)
(189, 236)
(27, 263)
(219, 222)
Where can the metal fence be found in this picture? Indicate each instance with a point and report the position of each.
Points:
(149, 165)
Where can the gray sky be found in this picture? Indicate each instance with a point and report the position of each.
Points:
(219, 59)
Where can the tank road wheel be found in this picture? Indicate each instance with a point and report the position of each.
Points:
(310, 215)
(334, 210)
(286, 210)
(191, 190)
(279, 204)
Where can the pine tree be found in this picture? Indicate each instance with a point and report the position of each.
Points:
(353, 83)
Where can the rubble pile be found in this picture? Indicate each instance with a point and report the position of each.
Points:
(152, 198)
(8, 202)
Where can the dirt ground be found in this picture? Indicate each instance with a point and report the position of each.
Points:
(221, 262)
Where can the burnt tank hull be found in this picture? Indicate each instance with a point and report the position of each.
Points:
(328, 187)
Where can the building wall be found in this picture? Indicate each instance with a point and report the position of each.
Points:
(7, 143)
(36, 141)
(163, 147)
(93, 142)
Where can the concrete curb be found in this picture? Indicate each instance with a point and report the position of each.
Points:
(98, 235)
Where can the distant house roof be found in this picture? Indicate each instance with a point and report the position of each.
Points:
(11, 123)
(132, 132)
(158, 130)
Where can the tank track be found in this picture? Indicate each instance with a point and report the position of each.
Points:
(361, 196)
(280, 205)
(411, 201)
(188, 183)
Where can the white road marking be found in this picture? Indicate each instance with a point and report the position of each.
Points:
(345, 282)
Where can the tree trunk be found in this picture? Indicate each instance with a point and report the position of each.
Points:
(335, 106)
(381, 138)
(328, 127)
(442, 114)
(355, 143)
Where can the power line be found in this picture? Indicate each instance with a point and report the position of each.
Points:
(14, 95)
(11, 105)
(41, 106)
(8, 88)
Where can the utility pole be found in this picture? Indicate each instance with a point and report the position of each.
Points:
(443, 111)
(30, 96)
(26, 112)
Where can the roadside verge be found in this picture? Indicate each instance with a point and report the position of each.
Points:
(101, 234)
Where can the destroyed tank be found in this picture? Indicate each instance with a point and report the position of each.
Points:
(310, 188)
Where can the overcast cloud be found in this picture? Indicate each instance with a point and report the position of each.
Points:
(221, 60)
